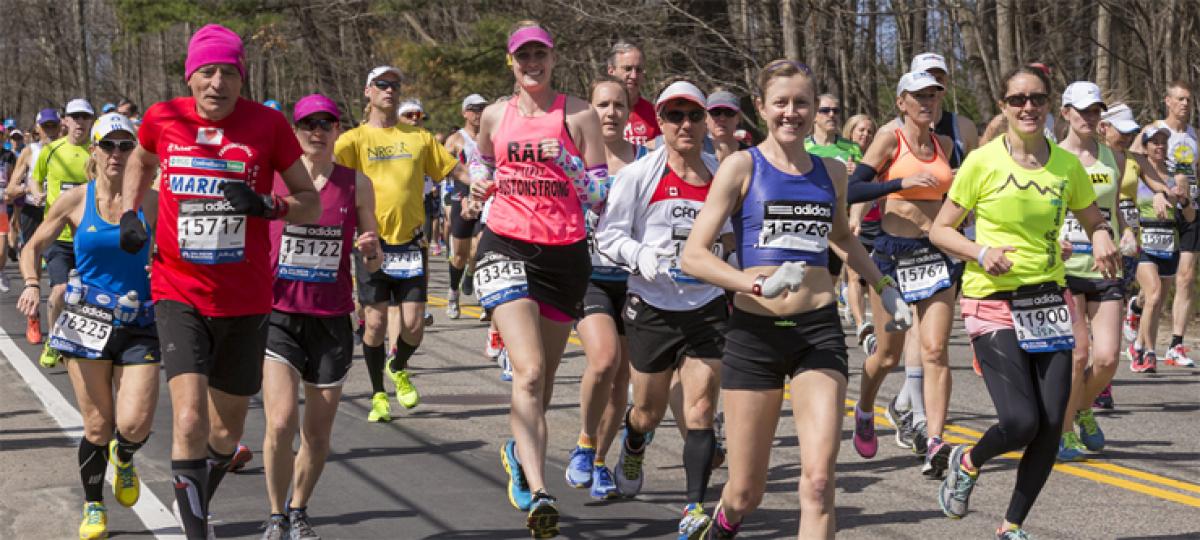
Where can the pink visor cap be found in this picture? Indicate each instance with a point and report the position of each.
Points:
(313, 104)
(529, 34)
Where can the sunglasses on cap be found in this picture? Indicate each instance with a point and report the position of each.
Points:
(829, 110)
(676, 116)
(313, 124)
(111, 146)
(1019, 100)
(722, 111)
(385, 85)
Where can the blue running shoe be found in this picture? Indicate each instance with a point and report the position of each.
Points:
(542, 520)
(518, 488)
(579, 469)
(603, 485)
(695, 522)
(1070, 448)
(1089, 431)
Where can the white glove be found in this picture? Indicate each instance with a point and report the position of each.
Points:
(788, 276)
(650, 261)
(894, 304)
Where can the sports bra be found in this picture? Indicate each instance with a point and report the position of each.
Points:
(785, 217)
(905, 163)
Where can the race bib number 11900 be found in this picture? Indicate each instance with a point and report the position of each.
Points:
(1042, 322)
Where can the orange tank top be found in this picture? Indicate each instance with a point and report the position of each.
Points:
(905, 163)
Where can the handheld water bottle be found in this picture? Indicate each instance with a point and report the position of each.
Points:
(127, 307)
(74, 294)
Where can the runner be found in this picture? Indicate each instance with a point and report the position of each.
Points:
(462, 231)
(625, 62)
(532, 264)
(864, 223)
(860, 129)
(1162, 214)
(111, 296)
(1097, 300)
(912, 160)
(785, 321)
(211, 274)
(604, 388)
(397, 157)
(31, 210)
(310, 337)
(1014, 303)
(724, 114)
(960, 129)
(59, 168)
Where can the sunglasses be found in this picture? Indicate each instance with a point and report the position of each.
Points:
(412, 115)
(722, 111)
(475, 109)
(385, 85)
(677, 116)
(829, 110)
(1019, 100)
(111, 146)
(313, 124)
(50, 125)
(79, 116)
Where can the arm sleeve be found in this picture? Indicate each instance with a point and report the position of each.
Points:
(614, 233)
(863, 187)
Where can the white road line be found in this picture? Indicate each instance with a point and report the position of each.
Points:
(156, 517)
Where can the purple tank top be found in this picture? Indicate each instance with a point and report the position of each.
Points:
(311, 263)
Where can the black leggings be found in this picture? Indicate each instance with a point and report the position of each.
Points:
(1030, 392)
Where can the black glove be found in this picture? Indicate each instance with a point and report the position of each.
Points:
(247, 201)
(133, 233)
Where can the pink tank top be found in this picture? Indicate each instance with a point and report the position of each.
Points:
(313, 275)
(535, 200)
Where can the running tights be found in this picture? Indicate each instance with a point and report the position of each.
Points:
(1030, 392)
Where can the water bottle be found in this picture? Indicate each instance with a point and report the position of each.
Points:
(74, 288)
(127, 307)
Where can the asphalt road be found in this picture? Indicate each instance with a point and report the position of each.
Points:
(434, 471)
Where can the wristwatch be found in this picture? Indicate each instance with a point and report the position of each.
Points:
(756, 289)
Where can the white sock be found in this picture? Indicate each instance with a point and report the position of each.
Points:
(914, 389)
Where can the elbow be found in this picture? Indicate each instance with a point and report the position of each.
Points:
(937, 236)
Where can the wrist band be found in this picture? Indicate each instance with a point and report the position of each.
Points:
(979, 258)
(757, 288)
(34, 285)
(883, 283)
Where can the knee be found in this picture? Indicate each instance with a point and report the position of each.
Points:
(648, 417)
(190, 427)
(1020, 430)
(281, 427)
(458, 260)
(57, 296)
(816, 487)
(98, 430)
(603, 363)
(1105, 361)
(741, 499)
(315, 442)
(136, 427)
(932, 352)
(375, 323)
(887, 360)
(528, 380)
(413, 329)
(700, 413)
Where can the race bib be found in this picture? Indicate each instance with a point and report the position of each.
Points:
(679, 236)
(311, 254)
(796, 225)
(602, 267)
(1158, 239)
(82, 331)
(1042, 321)
(211, 232)
(1129, 213)
(921, 274)
(1074, 232)
(404, 261)
(500, 280)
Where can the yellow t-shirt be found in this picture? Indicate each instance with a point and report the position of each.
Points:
(397, 160)
(61, 166)
(1129, 181)
(1021, 208)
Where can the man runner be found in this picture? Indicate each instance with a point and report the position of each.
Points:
(462, 230)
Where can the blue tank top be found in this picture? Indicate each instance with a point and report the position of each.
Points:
(101, 262)
(785, 217)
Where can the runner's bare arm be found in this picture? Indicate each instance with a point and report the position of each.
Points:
(66, 211)
(303, 203)
(16, 185)
(724, 195)
(139, 173)
(368, 228)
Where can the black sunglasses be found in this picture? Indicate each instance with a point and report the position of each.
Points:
(313, 124)
(829, 110)
(722, 111)
(50, 125)
(110, 146)
(677, 116)
(385, 85)
(1019, 100)
(476, 108)
(79, 116)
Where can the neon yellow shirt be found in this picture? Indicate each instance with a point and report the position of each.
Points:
(1131, 178)
(1022, 208)
(61, 166)
(397, 160)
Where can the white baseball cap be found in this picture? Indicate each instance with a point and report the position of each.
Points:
(472, 100)
(1121, 117)
(681, 90)
(109, 123)
(379, 71)
(410, 105)
(928, 61)
(917, 80)
(79, 106)
(1082, 94)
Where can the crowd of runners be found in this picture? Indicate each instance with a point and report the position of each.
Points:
(241, 247)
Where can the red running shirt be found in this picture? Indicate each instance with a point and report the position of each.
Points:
(643, 123)
(208, 256)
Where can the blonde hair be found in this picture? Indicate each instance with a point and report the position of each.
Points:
(853, 122)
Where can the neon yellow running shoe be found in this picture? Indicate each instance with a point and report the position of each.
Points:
(95, 522)
(126, 486)
(406, 393)
(50, 357)
(381, 410)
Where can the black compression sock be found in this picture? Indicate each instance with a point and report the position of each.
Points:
(93, 461)
(698, 450)
(375, 357)
(1175, 340)
(126, 448)
(635, 441)
(456, 275)
(190, 485)
(404, 351)
(218, 465)
(1135, 307)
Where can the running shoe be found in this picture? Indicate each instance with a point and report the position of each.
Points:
(241, 457)
(543, 515)
(629, 466)
(603, 485)
(95, 522)
(518, 488)
(428, 319)
(358, 332)
(694, 523)
(381, 409)
(920, 439)
(1178, 356)
(902, 420)
(49, 357)
(4, 286)
(1090, 433)
(1105, 399)
(1149, 362)
(937, 458)
(406, 393)
(865, 442)
(33, 330)
(869, 344)
(955, 494)
(467, 284)
(299, 527)
(1012, 532)
(865, 329)
(1135, 358)
(718, 455)
(580, 467)
(485, 315)
(506, 373)
(125, 484)
(452, 310)
(717, 527)
(494, 343)
(435, 250)
(1129, 327)
(1070, 449)
(276, 528)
